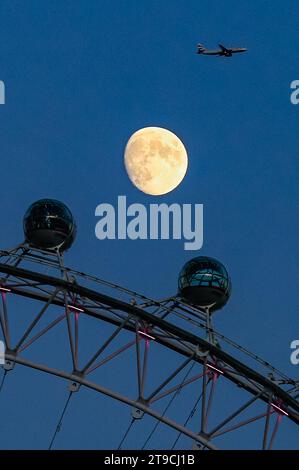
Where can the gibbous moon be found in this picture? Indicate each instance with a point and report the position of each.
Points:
(156, 160)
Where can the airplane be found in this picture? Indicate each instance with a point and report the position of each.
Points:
(224, 51)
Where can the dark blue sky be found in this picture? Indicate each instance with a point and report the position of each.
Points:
(80, 78)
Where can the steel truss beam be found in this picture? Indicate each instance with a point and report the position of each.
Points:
(133, 318)
(182, 341)
(110, 393)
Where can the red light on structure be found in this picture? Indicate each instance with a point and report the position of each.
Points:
(215, 368)
(146, 335)
(4, 289)
(76, 309)
(280, 410)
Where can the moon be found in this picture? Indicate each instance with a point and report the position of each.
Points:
(156, 160)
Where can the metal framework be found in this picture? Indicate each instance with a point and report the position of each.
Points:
(203, 358)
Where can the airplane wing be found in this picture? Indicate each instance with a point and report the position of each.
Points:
(223, 48)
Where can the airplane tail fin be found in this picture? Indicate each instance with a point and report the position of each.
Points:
(200, 49)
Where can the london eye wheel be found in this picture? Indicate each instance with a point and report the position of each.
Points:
(178, 367)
